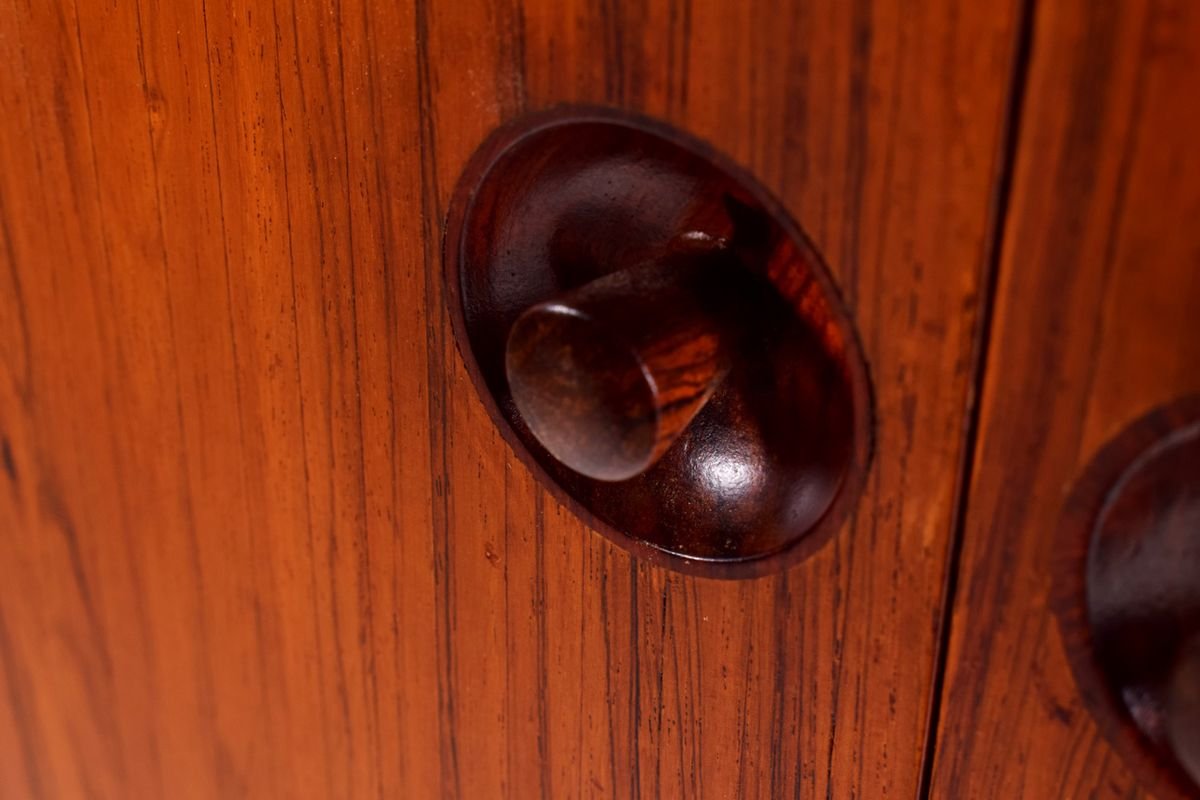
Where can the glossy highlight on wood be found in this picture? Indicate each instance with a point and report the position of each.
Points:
(607, 376)
(627, 252)
(1128, 593)
(259, 537)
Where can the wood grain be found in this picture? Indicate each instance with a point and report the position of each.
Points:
(1095, 326)
(258, 536)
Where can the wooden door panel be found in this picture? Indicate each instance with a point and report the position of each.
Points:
(1095, 325)
(258, 535)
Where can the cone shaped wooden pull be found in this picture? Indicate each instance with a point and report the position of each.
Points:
(608, 375)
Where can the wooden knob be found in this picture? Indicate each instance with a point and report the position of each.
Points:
(705, 404)
(608, 375)
(1182, 722)
(1129, 592)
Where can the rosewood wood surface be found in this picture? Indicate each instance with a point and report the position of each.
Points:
(673, 286)
(259, 537)
(1095, 326)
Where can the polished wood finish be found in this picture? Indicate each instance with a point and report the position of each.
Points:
(1095, 325)
(1127, 593)
(1182, 705)
(609, 279)
(258, 535)
(608, 375)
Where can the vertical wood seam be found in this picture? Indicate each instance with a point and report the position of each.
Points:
(993, 247)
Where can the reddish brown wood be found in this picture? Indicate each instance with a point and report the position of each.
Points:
(1095, 326)
(651, 256)
(258, 535)
(1127, 592)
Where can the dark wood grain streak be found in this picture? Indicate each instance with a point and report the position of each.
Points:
(992, 253)
(263, 539)
(1094, 327)
(436, 388)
